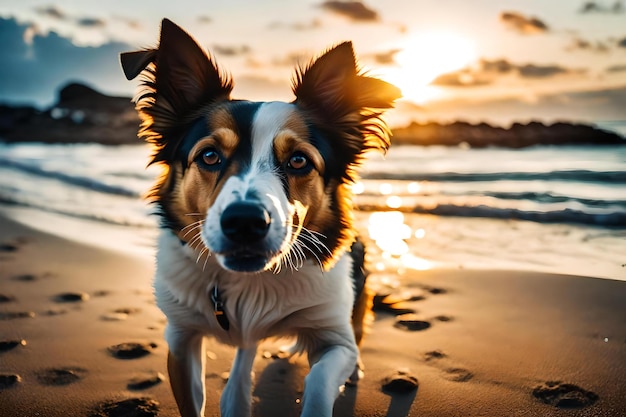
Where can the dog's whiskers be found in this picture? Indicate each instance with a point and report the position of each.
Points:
(195, 228)
(196, 241)
(192, 226)
(208, 255)
(312, 237)
(201, 253)
(310, 241)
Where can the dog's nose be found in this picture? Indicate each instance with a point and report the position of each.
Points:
(245, 222)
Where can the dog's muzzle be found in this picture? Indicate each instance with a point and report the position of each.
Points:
(246, 225)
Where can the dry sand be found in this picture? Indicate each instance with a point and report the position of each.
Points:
(480, 343)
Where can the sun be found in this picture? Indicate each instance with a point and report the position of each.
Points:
(423, 58)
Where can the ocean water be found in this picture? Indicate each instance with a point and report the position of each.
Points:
(558, 209)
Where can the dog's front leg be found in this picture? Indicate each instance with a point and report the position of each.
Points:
(330, 368)
(185, 365)
(236, 398)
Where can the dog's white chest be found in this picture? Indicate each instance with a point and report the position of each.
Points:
(257, 306)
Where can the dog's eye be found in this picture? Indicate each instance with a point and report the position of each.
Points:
(209, 158)
(298, 162)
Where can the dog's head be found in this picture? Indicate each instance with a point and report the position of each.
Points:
(260, 185)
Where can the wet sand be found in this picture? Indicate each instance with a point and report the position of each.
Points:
(80, 335)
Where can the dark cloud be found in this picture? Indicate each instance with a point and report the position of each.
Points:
(384, 58)
(289, 60)
(31, 72)
(487, 71)
(607, 104)
(298, 26)
(483, 73)
(231, 50)
(597, 7)
(354, 10)
(58, 14)
(132, 23)
(51, 11)
(580, 44)
(462, 78)
(499, 66)
(205, 19)
(90, 22)
(262, 89)
(622, 43)
(522, 24)
(543, 71)
(616, 68)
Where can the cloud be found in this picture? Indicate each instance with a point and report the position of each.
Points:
(384, 58)
(353, 10)
(499, 66)
(596, 7)
(544, 71)
(622, 43)
(616, 68)
(589, 106)
(131, 23)
(262, 89)
(31, 72)
(580, 44)
(90, 22)
(522, 24)
(231, 50)
(462, 78)
(52, 12)
(297, 26)
(290, 60)
(488, 71)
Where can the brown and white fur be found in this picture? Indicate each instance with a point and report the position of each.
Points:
(255, 201)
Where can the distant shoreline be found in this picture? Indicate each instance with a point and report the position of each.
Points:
(84, 115)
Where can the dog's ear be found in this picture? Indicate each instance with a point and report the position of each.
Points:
(185, 74)
(178, 78)
(339, 95)
(135, 62)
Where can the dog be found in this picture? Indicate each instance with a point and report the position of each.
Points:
(257, 236)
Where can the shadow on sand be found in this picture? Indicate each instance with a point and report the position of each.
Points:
(278, 392)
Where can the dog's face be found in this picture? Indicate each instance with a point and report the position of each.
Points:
(260, 185)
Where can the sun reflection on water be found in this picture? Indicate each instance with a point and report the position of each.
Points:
(390, 233)
(394, 202)
(385, 188)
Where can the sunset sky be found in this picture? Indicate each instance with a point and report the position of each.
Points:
(498, 61)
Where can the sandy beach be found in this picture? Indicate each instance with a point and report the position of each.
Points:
(80, 335)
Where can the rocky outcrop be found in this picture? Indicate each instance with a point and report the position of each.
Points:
(80, 115)
(517, 136)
